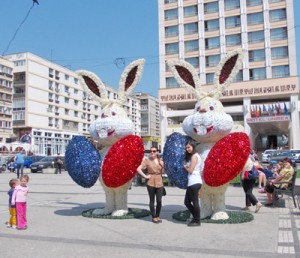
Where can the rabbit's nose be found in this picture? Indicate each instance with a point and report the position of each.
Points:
(202, 110)
(104, 116)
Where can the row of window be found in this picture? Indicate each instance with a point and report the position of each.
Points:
(212, 7)
(230, 22)
(254, 74)
(56, 74)
(231, 40)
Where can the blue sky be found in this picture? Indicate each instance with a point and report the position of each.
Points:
(96, 35)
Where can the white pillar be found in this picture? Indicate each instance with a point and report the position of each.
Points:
(294, 130)
(247, 114)
(163, 124)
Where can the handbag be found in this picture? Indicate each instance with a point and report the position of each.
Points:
(251, 174)
(164, 191)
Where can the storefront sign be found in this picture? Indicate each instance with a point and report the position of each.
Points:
(267, 119)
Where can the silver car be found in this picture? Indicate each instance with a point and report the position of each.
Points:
(265, 156)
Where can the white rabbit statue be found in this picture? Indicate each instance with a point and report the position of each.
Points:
(112, 127)
(210, 126)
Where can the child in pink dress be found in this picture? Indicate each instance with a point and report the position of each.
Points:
(19, 199)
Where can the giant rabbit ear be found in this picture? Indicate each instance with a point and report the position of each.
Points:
(130, 78)
(186, 76)
(226, 71)
(92, 85)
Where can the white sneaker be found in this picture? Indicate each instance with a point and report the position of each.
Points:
(8, 225)
(14, 226)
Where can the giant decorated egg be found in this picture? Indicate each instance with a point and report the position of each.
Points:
(82, 161)
(173, 156)
(226, 159)
(122, 160)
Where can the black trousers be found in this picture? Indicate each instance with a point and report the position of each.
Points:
(191, 201)
(158, 193)
(248, 187)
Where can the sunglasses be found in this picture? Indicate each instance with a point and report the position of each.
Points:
(153, 151)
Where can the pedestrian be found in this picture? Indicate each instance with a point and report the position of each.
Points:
(192, 164)
(12, 223)
(248, 185)
(19, 199)
(19, 159)
(155, 187)
(58, 164)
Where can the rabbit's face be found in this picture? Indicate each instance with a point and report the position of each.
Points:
(111, 126)
(209, 123)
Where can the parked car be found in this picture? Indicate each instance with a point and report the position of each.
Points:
(296, 154)
(265, 155)
(279, 155)
(28, 160)
(46, 162)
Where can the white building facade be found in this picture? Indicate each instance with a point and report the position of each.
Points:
(264, 96)
(150, 120)
(50, 106)
(6, 108)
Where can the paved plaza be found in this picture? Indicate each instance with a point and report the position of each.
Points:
(57, 229)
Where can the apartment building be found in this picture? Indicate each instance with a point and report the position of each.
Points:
(264, 95)
(6, 108)
(50, 106)
(150, 120)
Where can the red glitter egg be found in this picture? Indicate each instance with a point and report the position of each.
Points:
(122, 160)
(226, 159)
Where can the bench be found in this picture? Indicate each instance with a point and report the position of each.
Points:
(290, 190)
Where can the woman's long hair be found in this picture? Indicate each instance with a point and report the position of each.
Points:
(188, 156)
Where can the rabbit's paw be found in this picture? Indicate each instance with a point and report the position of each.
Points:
(220, 215)
(102, 211)
(119, 213)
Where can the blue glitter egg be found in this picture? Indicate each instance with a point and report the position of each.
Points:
(173, 156)
(83, 161)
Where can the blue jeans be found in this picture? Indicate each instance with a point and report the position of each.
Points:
(20, 167)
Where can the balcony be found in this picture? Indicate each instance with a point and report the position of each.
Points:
(18, 122)
(6, 75)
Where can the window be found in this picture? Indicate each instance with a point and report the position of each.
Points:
(171, 14)
(255, 18)
(67, 77)
(67, 111)
(231, 4)
(256, 37)
(211, 43)
(232, 22)
(278, 34)
(211, 61)
(233, 40)
(190, 28)
(254, 2)
(76, 113)
(210, 78)
(211, 25)
(190, 11)
(280, 71)
(75, 91)
(192, 45)
(238, 77)
(67, 100)
(171, 31)
(257, 55)
(257, 73)
(172, 48)
(170, 1)
(211, 7)
(75, 102)
(171, 83)
(279, 52)
(194, 61)
(275, 1)
(277, 15)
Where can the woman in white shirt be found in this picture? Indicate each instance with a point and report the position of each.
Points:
(192, 162)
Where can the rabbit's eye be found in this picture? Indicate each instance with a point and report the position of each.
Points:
(113, 113)
(211, 107)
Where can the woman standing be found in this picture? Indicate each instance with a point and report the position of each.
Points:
(248, 185)
(154, 166)
(192, 162)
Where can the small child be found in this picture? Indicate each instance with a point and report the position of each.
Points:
(19, 199)
(12, 223)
